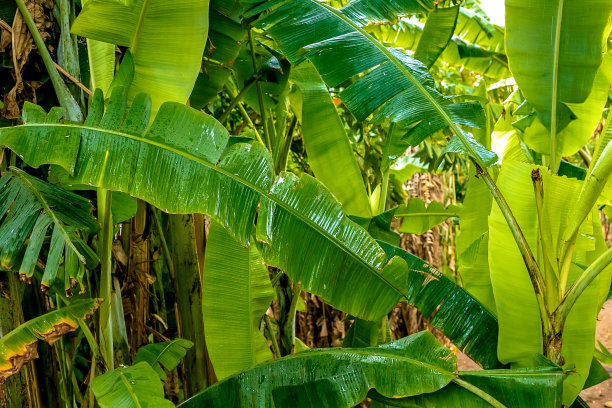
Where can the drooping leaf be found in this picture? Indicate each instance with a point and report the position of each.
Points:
(327, 145)
(28, 208)
(297, 216)
(236, 294)
(523, 388)
(159, 70)
(469, 325)
(130, 387)
(167, 354)
(395, 87)
(337, 377)
(19, 346)
(560, 66)
(438, 30)
(418, 218)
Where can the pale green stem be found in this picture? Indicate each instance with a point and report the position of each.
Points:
(64, 96)
(289, 331)
(382, 201)
(262, 107)
(272, 336)
(246, 116)
(591, 189)
(236, 99)
(480, 393)
(582, 283)
(105, 238)
(555, 73)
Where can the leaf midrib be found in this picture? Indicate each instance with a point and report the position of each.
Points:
(257, 189)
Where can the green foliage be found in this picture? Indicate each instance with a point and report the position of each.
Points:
(237, 293)
(19, 346)
(419, 218)
(130, 387)
(337, 377)
(28, 208)
(166, 355)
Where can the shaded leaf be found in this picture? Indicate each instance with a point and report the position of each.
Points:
(167, 354)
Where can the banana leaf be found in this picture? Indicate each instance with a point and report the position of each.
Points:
(236, 294)
(520, 331)
(225, 38)
(396, 88)
(465, 321)
(418, 218)
(159, 70)
(553, 55)
(525, 388)
(166, 355)
(367, 12)
(473, 240)
(101, 62)
(327, 145)
(437, 33)
(130, 387)
(19, 346)
(28, 208)
(337, 377)
(297, 217)
(476, 44)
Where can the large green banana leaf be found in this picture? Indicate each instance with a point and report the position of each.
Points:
(298, 217)
(473, 240)
(555, 48)
(468, 324)
(523, 388)
(520, 330)
(236, 294)
(393, 86)
(130, 387)
(28, 208)
(19, 346)
(337, 377)
(153, 30)
(418, 218)
(326, 142)
(580, 130)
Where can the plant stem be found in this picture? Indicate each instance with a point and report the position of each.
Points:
(289, 330)
(382, 201)
(280, 161)
(272, 336)
(64, 96)
(555, 73)
(480, 393)
(236, 99)
(582, 283)
(246, 116)
(105, 217)
(262, 107)
(533, 269)
(551, 283)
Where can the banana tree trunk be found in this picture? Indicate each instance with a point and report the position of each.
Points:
(188, 287)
